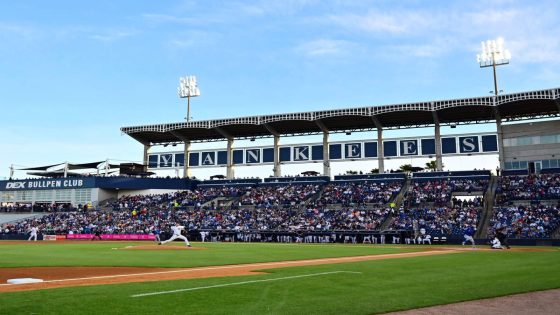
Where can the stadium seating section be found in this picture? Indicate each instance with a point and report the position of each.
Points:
(441, 203)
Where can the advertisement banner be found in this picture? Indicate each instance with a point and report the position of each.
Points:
(49, 237)
(113, 237)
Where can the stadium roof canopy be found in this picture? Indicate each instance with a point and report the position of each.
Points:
(509, 107)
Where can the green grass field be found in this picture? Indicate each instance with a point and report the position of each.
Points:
(351, 288)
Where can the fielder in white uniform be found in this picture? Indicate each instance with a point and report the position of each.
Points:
(33, 234)
(176, 234)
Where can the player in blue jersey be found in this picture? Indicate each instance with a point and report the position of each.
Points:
(468, 233)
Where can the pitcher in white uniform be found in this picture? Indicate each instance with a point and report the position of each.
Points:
(33, 234)
(177, 235)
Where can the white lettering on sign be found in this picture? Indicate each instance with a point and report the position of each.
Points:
(301, 153)
(252, 156)
(165, 160)
(208, 160)
(15, 185)
(468, 145)
(353, 150)
(409, 147)
(68, 183)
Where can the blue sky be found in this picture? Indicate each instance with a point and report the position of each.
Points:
(74, 72)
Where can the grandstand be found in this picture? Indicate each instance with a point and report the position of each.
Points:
(524, 197)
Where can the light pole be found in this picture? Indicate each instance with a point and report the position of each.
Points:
(493, 54)
(188, 88)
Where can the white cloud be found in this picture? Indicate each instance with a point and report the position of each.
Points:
(192, 38)
(378, 22)
(19, 31)
(112, 36)
(166, 18)
(324, 47)
(276, 7)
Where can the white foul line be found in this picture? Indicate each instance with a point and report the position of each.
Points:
(278, 264)
(242, 282)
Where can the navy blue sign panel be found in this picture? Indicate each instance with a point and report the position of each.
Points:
(153, 161)
(352, 150)
(193, 159)
(301, 153)
(222, 157)
(166, 160)
(468, 144)
(370, 149)
(252, 156)
(335, 151)
(237, 156)
(179, 159)
(285, 154)
(208, 158)
(448, 145)
(268, 155)
(317, 152)
(390, 148)
(409, 147)
(490, 143)
(428, 146)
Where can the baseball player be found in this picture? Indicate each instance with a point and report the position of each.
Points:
(468, 234)
(97, 234)
(177, 234)
(33, 234)
(495, 244)
(501, 235)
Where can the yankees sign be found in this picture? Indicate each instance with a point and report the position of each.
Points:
(338, 151)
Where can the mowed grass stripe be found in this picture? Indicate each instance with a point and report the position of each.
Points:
(383, 286)
(243, 282)
(84, 253)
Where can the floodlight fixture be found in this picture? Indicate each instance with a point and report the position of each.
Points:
(188, 88)
(493, 54)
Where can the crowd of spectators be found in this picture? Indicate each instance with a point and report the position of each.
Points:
(530, 187)
(530, 221)
(439, 191)
(180, 199)
(359, 193)
(39, 207)
(439, 220)
(148, 221)
(279, 195)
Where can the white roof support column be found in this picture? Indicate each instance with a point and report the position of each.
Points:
(500, 132)
(186, 151)
(107, 166)
(380, 153)
(277, 169)
(145, 161)
(66, 169)
(230, 171)
(437, 132)
(326, 149)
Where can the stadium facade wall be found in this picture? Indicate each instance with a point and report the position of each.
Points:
(532, 145)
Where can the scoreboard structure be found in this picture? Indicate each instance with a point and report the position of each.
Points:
(353, 150)
(497, 109)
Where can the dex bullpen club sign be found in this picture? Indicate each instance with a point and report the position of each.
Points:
(48, 184)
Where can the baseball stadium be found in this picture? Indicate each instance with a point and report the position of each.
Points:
(379, 242)
(432, 198)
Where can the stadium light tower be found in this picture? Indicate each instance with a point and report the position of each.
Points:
(493, 54)
(188, 88)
